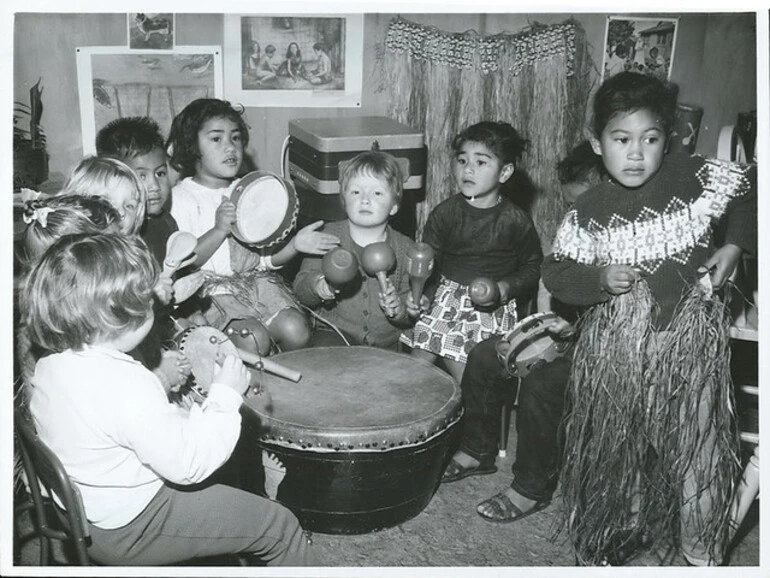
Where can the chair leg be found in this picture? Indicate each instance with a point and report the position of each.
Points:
(505, 425)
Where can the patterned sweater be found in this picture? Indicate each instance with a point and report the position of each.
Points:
(665, 228)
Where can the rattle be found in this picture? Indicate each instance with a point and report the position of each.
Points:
(419, 266)
(377, 259)
(205, 346)
(529, 344)
(179, 251)
(484, 292)
(339, 266)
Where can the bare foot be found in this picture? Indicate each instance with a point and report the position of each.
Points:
(465, 460)
(524, 504)
(274, 473)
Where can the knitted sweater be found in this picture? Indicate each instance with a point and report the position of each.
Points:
(664, 228)
(498, 242)
(356, 311)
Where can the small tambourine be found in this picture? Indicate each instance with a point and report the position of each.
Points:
(266, 209)
(204, 346)
(530, 344)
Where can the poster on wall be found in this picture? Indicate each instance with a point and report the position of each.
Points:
(643, 45)
(296, 61)
(115, 82)
(151, 31)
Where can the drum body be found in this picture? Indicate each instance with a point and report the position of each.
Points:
(361, 440)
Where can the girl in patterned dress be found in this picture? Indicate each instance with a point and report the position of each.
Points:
(477, 233)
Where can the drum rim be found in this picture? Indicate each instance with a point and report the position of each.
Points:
(287, 224)
(279, 432)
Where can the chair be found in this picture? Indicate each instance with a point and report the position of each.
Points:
(44, 470)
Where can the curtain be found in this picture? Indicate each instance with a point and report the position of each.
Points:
(537, 80)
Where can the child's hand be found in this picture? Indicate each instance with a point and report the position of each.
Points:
(412, 309)
(225, 216)
(561, 328)
(725, 259)
(309, 240)
(391, 303)
(232, 373)
(164, 289)
(323, 290)
(618, 279)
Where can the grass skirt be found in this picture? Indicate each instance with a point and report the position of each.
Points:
(651, 445)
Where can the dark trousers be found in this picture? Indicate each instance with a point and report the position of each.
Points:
(485, 386)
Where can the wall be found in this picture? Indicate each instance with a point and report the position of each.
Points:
(714, 64)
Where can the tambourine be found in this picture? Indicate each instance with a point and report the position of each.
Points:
(266, 209)
(204, 346)
(530, 344)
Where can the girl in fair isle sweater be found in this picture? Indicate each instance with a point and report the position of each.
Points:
(654, 219)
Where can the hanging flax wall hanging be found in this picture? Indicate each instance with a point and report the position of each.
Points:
(537, 80)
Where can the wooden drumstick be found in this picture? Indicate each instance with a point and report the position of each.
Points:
(419, 266)
(271, 366)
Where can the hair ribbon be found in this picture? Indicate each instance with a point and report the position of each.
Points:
(39, 214)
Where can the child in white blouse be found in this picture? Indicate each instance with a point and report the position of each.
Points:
(87, 302)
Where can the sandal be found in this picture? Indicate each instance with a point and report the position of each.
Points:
(456, 471)
(505, 511)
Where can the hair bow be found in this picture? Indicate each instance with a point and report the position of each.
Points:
(39, 214)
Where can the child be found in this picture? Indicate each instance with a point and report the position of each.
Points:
(50, 219)
(88, 301)
(137, 142)
(115, 181)
(371, 185)
(477, 233)
(292, 66)
(207, 141)
(486, 385)
(267, 67)
(323, 72)
(653, 218)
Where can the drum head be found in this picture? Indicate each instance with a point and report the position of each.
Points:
(266, 209)
(356, 398)
(204, 346)
(532, 344)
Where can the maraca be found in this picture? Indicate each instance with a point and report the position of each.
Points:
(377, 259)
(484, 292)
(179, 251)
(249, 334)
(339, 266)
(290, 329)
(419, 266)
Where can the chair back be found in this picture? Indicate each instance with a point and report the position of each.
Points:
(42, 467)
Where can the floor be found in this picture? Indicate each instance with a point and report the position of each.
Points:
(448, 532)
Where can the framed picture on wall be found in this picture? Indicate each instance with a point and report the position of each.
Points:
(115, 82)
(295, 61)
(643, 45)
(151, 31)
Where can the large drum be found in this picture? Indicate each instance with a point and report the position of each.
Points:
(359, 443)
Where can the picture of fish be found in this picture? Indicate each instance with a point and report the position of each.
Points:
(199, 65)
(101, 95)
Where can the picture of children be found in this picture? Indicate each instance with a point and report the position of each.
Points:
(323, 72)
(267, 67)
(292, 66)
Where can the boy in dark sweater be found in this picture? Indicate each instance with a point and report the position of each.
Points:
(654, 218)
(138, 143)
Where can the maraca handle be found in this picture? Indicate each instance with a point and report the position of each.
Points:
(418, 284)
(382, 277)
(271, 366)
